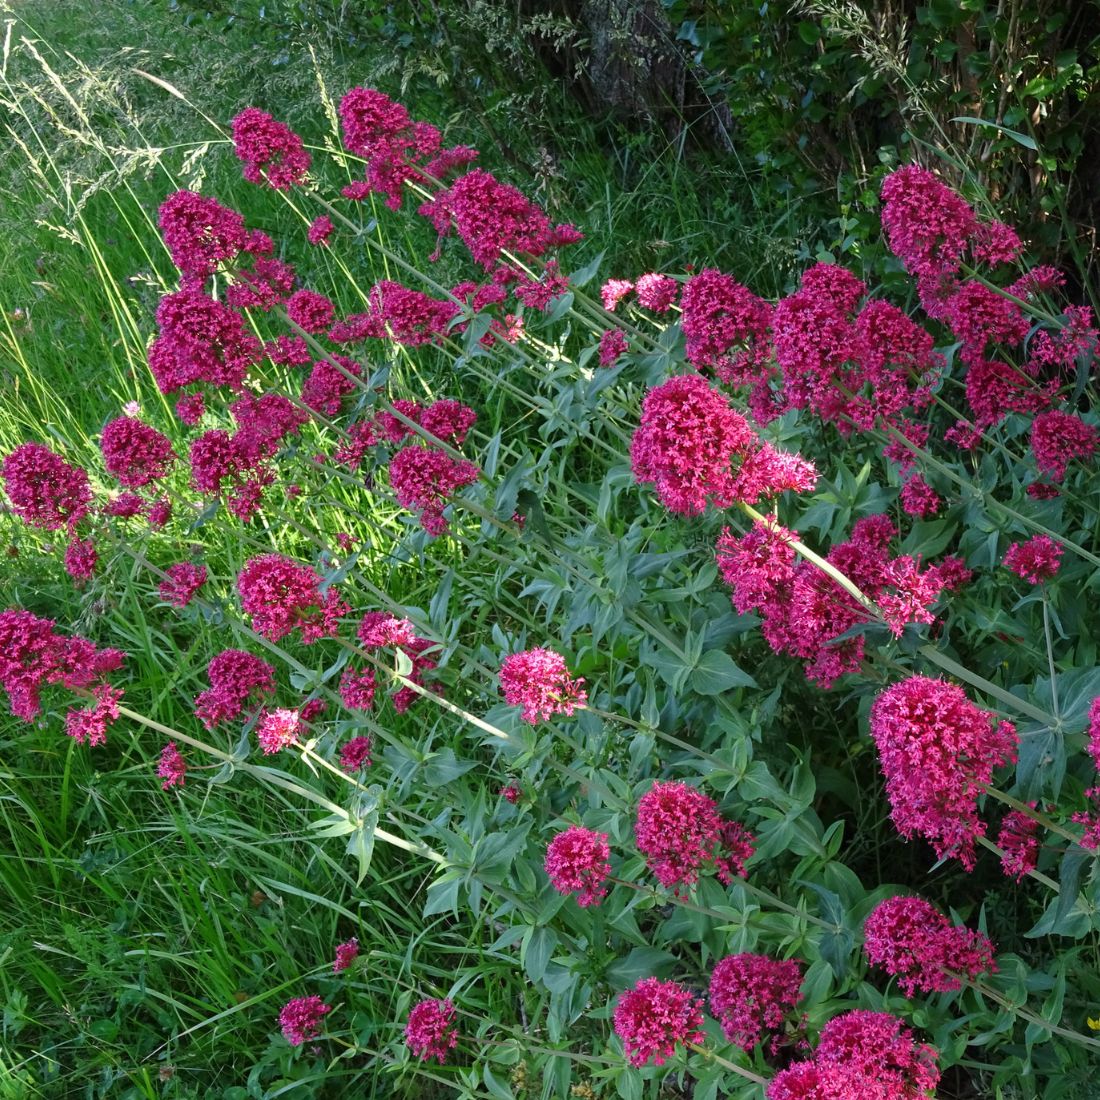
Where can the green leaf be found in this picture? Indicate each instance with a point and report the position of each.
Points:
(536, 950)
(361, 844)
(642, 962)
(1021, 139)
(442, 895)
(716, 672)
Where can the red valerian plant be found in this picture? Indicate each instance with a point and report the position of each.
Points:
(430, 1030)
(577, 861)
(538, 681)
(911, 939)
(751, 993)
(938, 751)
(654, 1017)
(301, 1019)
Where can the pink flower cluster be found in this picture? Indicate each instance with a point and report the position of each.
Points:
(346, 953)
(697, 450)
(237, 679)
(379, 630)
(430, 1030)
(45, 490)
(861, 1055)
(680, 831)
(183, 580)
(33, 656)
(492, 218)
(753, 993)
(937, 751)
(424, 479)
(134, 452)
(805, 611)
(200, 233)
(172, 767)
(396, 148)
(653, 1017)
(1019, 842)
(1035, 560)
(271, 151)
(89, 725)
(355, 754)
(280, 596)
(277, 729)
(1057, 438)
(302, 1018)
(911, 939)
(538, 681)
(577, 861)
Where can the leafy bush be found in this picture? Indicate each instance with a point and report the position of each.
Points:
(432, 667)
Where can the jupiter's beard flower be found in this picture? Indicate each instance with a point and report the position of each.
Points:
(612, 345)
(44, 489)
(200, 233)
(614, 291)
(928, 226)
(301, 1019)
(33, 656)
(237, 680)
(355, 754)
(1035, 560)
(679, 831)
(758, 566)
(430, 1030)
(491, 218)
(310, 311)
(577, 861)
(919, 499)
(750, 994)
(449, 421)
(172, 767)
(280, 595)
(90, 724)
(271, 151)
(80, 560)
(686, 443)
(182, 581)
(1057, 438)
(320, 229)
(538, 681)
(1094, 731)
(937, 751)
(425, 478)
(134, 452)
(200, 339)
(357, 688)
(277, 729)
(346, 953)
(653, 1017)
(880, 1048)
(657, 292)
(911, 939)
(1020, 843)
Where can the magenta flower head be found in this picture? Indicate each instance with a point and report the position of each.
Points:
(1058, 437)
(937, 751)
(134, 452)
(653, 1017)
(199, 232)
(750, 993)
(679, 831)
(278, 729)
(281, 595)
(879, 1048)
(172, 767)
(355, 754)
(45, 490)
(310, 311)
(301, 1019)
(346, 953)
(911, 939)
(1036, 560)
(430, 1031)
(182, 581)
(237, 679)
(320, 229)
(538, 681)
(271, 151)
(1020, 843)
(577, 862)
(425, 478)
